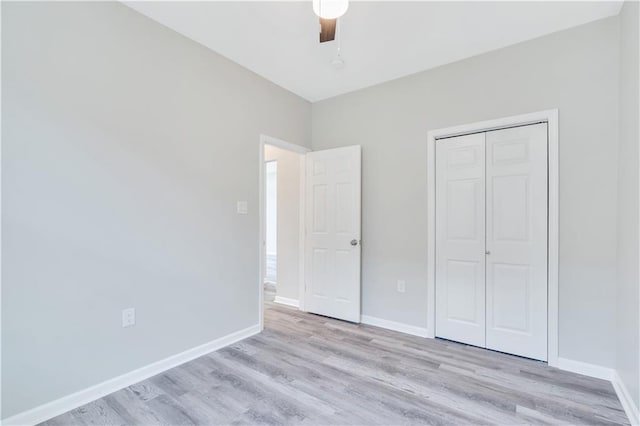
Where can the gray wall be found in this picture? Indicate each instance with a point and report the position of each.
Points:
(628, 354)
(575, 71)
(125, 149)
(288, 269)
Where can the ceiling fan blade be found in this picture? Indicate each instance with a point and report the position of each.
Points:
(327, 29)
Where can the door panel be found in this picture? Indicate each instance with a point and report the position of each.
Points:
(460, 239)
(462, 205)
(511, 297)
(516, 262)
(319, 201)
(333, 223)
(462, 291)
(510, 218)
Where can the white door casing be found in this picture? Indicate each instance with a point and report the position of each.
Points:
(460, 239)
(516, 262)
(332, 244)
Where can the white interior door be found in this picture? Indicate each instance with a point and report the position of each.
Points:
(517, 240)
(460, 239)
(332, 252)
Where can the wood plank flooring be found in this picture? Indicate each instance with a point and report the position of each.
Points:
(310, 370)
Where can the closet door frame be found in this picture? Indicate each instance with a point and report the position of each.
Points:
(551, 118)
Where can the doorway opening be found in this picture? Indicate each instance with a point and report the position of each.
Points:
(282, 227)
(317, 213)
(271, 235)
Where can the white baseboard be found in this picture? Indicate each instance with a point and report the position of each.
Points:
(395, 326)
(599, 372)
(286, 301)
(59, 406)
(629, 405)
(586, 369)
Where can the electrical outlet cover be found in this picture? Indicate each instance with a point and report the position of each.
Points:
(128, 317)
(242, 207)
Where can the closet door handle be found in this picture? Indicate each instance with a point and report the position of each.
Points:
(487, 252)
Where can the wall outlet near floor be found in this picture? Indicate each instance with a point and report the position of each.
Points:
(128, 317)
(402, 287)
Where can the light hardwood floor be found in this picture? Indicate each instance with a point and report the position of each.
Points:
(310, 370)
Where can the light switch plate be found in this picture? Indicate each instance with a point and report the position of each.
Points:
(402, 287)
(128, 317)
(242, 207)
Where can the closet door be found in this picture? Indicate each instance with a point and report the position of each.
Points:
(460, 239)
(516, 266)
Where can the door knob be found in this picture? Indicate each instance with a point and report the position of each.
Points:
(487, 252)
(354, 242)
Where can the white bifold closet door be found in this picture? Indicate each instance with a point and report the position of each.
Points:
(491, 240)
(460, 239)
(516, 258)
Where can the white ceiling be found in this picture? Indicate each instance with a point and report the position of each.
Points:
(380, 40)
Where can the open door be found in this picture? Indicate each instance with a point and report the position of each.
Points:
(332, 243)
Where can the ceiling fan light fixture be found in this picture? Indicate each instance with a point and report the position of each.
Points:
(330, 9)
